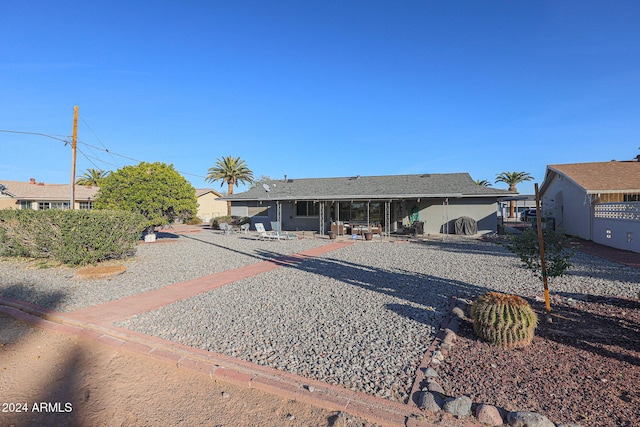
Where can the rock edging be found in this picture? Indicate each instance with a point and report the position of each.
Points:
(430, 396)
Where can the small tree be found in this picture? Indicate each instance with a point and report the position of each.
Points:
(556, 252)
(155, 190)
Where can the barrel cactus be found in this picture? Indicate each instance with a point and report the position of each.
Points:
(507, 321)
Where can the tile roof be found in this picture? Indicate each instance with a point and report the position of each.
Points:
(622, 176)
(371, 187)
(51, 192)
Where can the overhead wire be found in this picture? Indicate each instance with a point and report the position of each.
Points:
(67, 140)
(94, 134)
(56, 137)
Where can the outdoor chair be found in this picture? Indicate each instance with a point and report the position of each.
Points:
(244, 228)
(262, 233)
(226, 228)
(276, 229)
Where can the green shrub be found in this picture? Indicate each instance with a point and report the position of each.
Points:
(71, 237)
(556, 252)
(193, 221)
(233, 220)
(507, 321)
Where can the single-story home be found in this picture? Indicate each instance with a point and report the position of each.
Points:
(38, 195)
(209, 204)
(597, 201)
(387, 204)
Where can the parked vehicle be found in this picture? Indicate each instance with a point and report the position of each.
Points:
(529, 215)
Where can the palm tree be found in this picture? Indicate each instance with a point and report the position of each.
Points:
(92, 177)
(232, 170)
(513, 179)
(483, 183)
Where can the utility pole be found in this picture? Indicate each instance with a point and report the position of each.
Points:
(74, 139)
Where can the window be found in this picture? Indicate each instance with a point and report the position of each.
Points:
(85, 206)
(307, 209)
(258, 210)
(26, 204)
(632, 197)
(53, 205)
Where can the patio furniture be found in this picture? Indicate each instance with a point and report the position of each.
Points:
(262, 233)
(244, 228)
(226, 228)
(277, 230)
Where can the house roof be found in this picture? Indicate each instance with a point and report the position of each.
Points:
(600, 177)
(50, 192)
(202, 191)
(370, 187)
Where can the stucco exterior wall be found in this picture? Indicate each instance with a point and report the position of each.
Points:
(617, 233)
(569, 206)
(210, 206)
(7, 202)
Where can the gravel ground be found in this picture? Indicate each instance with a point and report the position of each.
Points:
(361, 316)
(175, 258)
(364, 315)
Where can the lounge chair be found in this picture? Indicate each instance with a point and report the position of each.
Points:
(275, 229)
(262, 233)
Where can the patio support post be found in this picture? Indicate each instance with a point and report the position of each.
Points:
(321, 217)
(279, 214)
(387, 217)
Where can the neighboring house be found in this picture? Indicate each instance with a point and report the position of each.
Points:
(595, 201)
(388, 203)
(522, 203)
(38, 195)
(209, 204)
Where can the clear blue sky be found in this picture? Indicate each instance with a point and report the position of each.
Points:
(319, 89)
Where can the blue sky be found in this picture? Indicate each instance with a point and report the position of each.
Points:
(319, 89)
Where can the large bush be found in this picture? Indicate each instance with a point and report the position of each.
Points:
(71, 237)
(155, 190)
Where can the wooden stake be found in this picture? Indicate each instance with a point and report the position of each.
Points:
(74, 140)
(543, 265)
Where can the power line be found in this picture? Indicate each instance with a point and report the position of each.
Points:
(56, 137)
(106, 150)
(94, 134)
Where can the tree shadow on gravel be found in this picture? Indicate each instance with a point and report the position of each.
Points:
(257, 255)
(430, 293)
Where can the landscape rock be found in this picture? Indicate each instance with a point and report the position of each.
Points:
(459, 407)
(428, 401)
(430, 373)
(457, 312)
(489, 415)
(528, 419)
(449, 336)
(434, 387)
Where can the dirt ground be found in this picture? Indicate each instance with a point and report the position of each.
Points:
(582, 368)
(53, 379)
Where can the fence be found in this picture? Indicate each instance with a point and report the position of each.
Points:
(617, 225)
